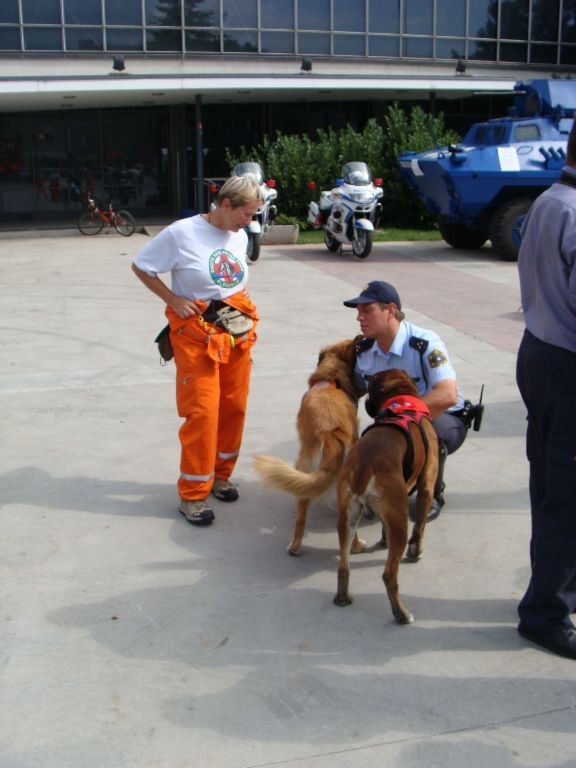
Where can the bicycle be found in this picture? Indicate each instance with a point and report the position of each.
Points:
(92, 221)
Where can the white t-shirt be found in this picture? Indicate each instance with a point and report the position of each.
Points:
(204, 262)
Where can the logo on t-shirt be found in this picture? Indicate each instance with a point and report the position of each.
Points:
(225, 269)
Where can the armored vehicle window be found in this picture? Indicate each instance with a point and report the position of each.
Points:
(527, 133)
(489, 134)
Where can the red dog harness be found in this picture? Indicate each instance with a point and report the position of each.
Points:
(401, 411)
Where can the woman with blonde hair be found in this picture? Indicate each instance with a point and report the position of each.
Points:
(212, 330)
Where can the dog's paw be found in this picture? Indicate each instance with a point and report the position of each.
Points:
(342, 600)
(293, 550)
(414, 553)
(358, 546)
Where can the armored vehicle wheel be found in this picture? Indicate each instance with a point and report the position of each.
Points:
(362, 243)
(505, 227)
(331, 243)
(254, 243)
(459, 236)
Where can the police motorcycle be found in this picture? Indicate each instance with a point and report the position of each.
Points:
(265, 215)
(348, 212)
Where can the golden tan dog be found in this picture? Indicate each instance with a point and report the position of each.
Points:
(380, 470)
(327, 424)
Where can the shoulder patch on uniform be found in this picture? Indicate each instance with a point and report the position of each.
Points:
(437, 358)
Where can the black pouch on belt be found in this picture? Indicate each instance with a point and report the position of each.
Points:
(164, 345)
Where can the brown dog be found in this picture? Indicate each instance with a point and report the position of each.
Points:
(380, 470)
(327, 424)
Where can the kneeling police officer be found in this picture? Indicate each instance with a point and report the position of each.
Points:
(390, 341)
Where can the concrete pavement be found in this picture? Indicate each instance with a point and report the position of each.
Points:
(133, 640)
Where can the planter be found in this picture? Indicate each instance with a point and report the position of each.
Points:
(281, 234)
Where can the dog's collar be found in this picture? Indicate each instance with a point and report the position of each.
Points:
(402, 403)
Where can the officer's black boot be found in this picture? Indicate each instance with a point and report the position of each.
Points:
(438, 500)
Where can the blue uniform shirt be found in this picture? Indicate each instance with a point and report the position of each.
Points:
(427, 370)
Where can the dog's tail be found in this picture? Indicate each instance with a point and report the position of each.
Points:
(303, 485)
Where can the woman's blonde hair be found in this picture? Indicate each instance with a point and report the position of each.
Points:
(240, 190)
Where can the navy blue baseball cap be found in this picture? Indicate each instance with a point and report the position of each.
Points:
(377, 290)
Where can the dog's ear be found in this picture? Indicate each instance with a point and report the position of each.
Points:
(347, 352)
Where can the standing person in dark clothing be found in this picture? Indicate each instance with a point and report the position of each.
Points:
(546, 376)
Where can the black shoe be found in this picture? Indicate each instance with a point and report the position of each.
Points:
(435, 509)
(559, 639)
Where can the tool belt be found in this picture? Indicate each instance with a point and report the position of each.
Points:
(224, 316)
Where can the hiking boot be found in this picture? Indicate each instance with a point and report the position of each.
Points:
(196, 511)
(225, 490)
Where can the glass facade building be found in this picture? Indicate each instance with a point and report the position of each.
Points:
(502, 31)
(145, 152)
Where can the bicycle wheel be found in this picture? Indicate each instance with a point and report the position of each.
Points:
(124, 223)
(90, 223)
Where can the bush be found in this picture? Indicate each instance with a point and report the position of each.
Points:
(294, 161)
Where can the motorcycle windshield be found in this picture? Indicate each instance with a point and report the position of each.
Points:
(249, 169)
(356, 173)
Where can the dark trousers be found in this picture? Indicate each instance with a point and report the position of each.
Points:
(546, 377)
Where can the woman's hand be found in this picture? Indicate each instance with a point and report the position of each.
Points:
(185, 307)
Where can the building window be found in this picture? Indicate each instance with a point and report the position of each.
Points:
(277, 42)
(10, 39)
(314, 15)
(201, 13)
(314, 42)
(42, 39)
(450, 17)
(124, 39)
(514, 20)
(349, 45)
(84, 39)
(241, 42)
(277, 14)
(418, 17)
(202, 41)
(349, 15)
(163, 13)
(9, 12)
(41, 11)
(482, 18)
(82, 12)
(240, 13)
(384, 16)
(125, 12)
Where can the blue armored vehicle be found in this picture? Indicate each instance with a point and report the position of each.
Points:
(481, 189)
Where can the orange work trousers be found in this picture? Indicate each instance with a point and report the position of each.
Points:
(212, 383)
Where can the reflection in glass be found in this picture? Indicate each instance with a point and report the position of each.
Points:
(513, 52)
(379, 45)
(240, 13)
(313, 42)
(202, 40)
(41, 11)
(9, 39)
(482, 18)
(201, 13)
(514, 20)
(165, 13)
(349, 15)
(241, 42)
(450, 17)
(9, 12)
(543, 54)
(418, 47)
(124, 39)
(349, 45)
(42, 39)
(568, 55)
(277, 14)
(277, 42)
(545, 20)
(452, 48)
(82, 12)
(568, 25)
(314, 15)
(418, 18)
(125, 12)
(163, 40)
(384, 16)
(481, 50)
(84, 39)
